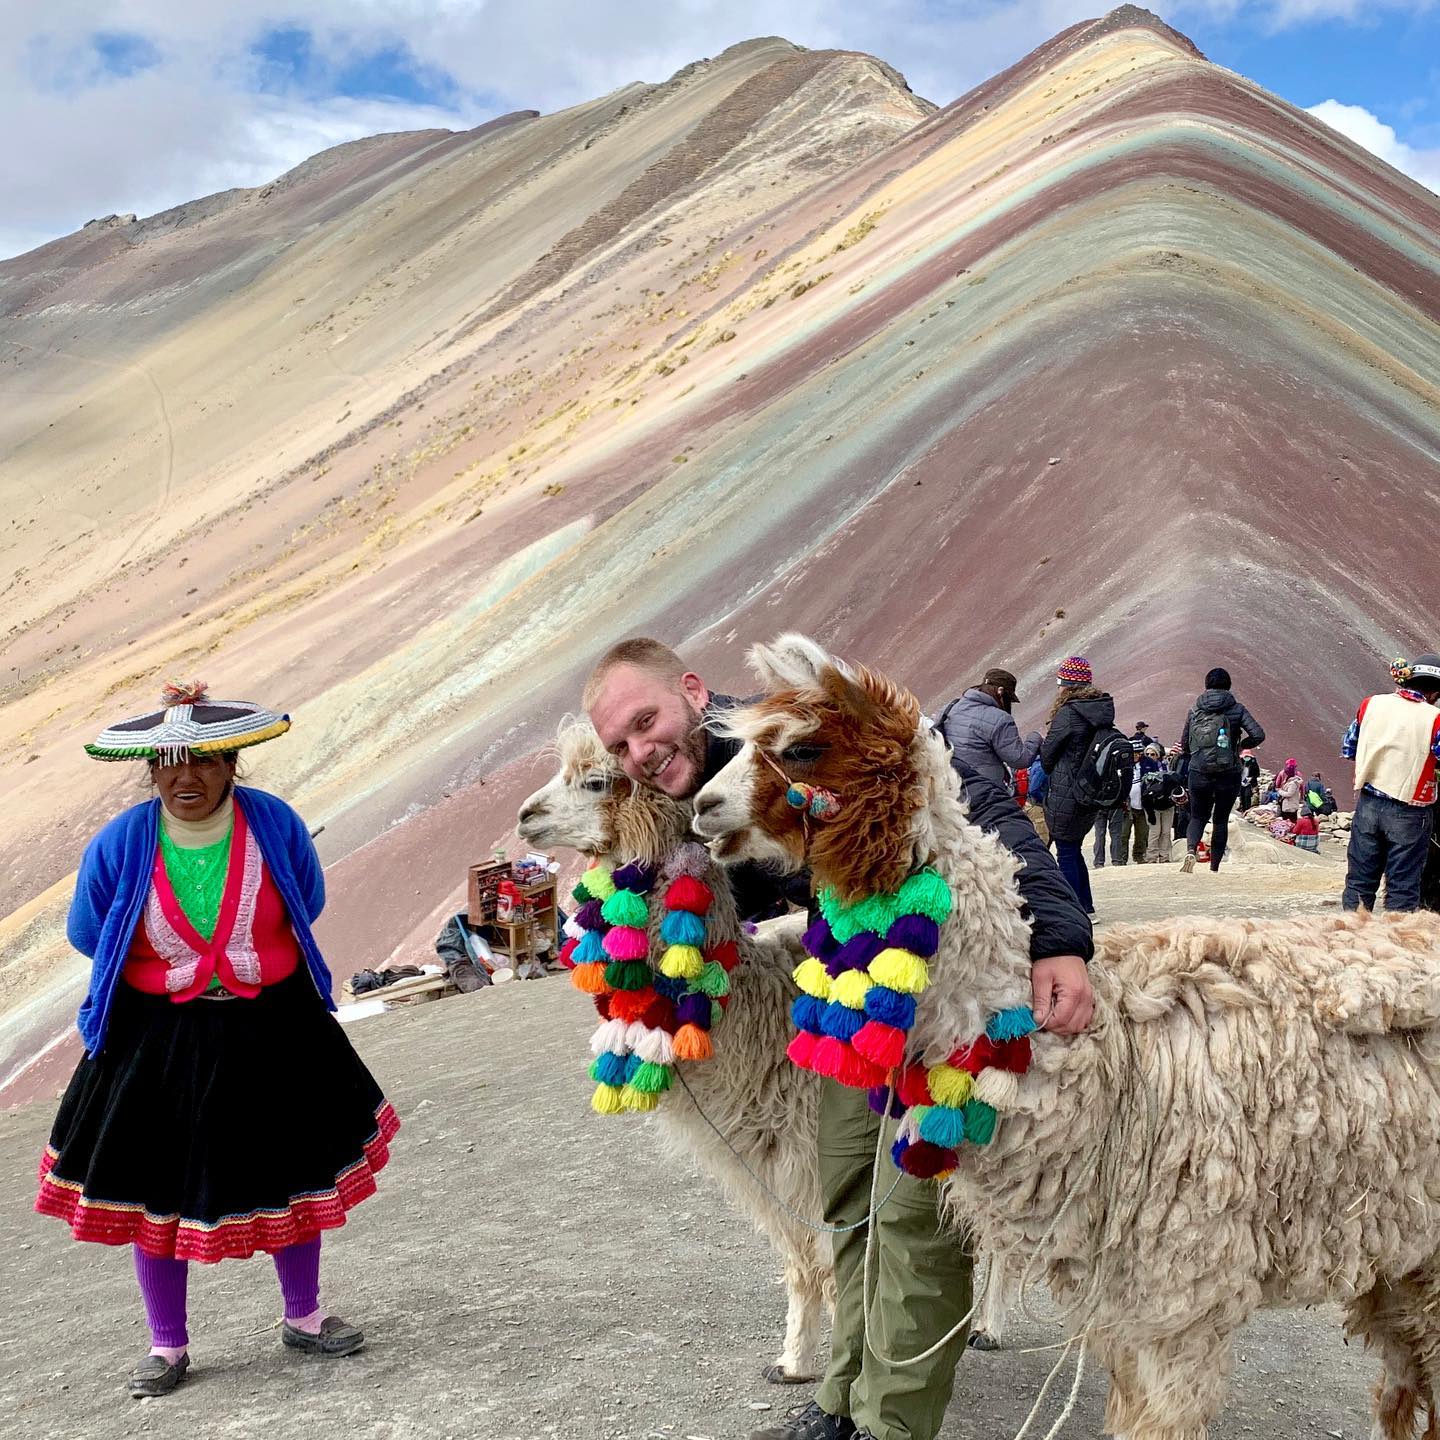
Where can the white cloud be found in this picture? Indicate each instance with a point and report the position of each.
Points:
(81, 143)
(1374, 135)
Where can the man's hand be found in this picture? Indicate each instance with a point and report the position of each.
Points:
(1063, 1000)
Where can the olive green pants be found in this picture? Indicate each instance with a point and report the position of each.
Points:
(919, 1282)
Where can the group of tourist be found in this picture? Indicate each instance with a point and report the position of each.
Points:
(209, 997)
(1083, 777)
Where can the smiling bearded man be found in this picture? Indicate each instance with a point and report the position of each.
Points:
(650, 713)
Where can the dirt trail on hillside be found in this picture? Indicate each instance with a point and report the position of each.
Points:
(529, 1270)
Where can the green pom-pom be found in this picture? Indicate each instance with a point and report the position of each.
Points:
(652, 1079)
(925, 893)
(628, 975)
(875, 913)
(580, 894)
(712, 980)
(979, 1122)
(717, 1012)
(625, 907)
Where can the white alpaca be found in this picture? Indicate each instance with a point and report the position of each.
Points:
(766, 1108)
(1251, 1119)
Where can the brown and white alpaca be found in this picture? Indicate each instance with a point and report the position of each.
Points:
(1250, 1120)
(766, 1108)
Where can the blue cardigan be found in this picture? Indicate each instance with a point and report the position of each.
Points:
(114, 881)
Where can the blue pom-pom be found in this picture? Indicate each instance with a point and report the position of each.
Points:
(680, 927)
(943, 1125)
(590, 948)
(897, 1152)
(609, 1069)
(1011, 1024)
(890, 1007)
(632, 1064)
(808, 1013)
(671, 989)
(841, 1021)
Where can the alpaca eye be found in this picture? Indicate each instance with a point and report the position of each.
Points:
(801, 754)
(596, 785)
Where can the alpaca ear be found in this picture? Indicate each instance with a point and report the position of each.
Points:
(791, 662)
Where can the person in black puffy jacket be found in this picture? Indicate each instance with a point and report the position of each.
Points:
(1078, 710)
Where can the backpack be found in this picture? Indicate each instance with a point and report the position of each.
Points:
(1320, 800)
(1107, 771)
(1155, 790)
(1212, 742)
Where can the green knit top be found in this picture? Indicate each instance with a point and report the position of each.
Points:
(198, 879)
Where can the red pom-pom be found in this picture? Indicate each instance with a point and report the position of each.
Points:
(631, 1005)
(913, 1086)
(925, 1161)
(602, 1006)
(183, 692)
(660, 1015)
(882, 1044)
(983, 1053)
(828, 1056)
(801, 1049)
(728, 954)
(685, 892)
(856, 1071)
(566, 951)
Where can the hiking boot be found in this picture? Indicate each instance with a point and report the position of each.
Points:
(466, 978)
(155, 1375)
(1188, 863)
(809, 1422)
(335, 1338)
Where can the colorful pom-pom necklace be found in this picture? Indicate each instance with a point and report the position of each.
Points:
(869, 959)
(650, 1018)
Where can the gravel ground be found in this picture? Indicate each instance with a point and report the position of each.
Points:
(528, 1270)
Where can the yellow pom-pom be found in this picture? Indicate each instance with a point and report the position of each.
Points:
(633, 1099)
(606, 1100)
(850, 988)
(901, 970)
(682, 962)
(949, 1086)
(598, 882)
(812, 978)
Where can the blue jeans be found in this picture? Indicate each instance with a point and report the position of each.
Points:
(1391, 839)
(1071, 859)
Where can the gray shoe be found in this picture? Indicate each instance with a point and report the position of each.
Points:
(808, 1422)
(335, 1338)
(155, 1375)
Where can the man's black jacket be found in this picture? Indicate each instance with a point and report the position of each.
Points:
(1059, 926)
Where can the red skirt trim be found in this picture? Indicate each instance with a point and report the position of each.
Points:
(233, 1237)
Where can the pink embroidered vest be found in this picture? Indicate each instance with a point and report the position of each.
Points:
(253, 944)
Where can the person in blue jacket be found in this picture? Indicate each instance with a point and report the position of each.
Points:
(219, 1109)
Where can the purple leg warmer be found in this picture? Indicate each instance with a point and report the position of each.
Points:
(298, 1267)
(162, 1287)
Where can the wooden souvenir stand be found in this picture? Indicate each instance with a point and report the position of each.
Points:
(522, 935)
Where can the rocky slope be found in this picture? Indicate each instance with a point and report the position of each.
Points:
(1117, 354)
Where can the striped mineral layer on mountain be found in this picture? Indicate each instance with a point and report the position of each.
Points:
(1117, 354)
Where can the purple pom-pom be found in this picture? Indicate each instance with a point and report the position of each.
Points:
(693, 1010)
(881, 1095)
(856, 953)
(588, 916)
(817, 939)
(689, 859)
(918, 933)
(637, 876)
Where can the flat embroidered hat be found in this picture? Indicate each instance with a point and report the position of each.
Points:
(189, 721)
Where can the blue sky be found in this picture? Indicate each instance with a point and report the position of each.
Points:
(141, 104)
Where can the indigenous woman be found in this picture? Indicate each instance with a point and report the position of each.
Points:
(219, 1108)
